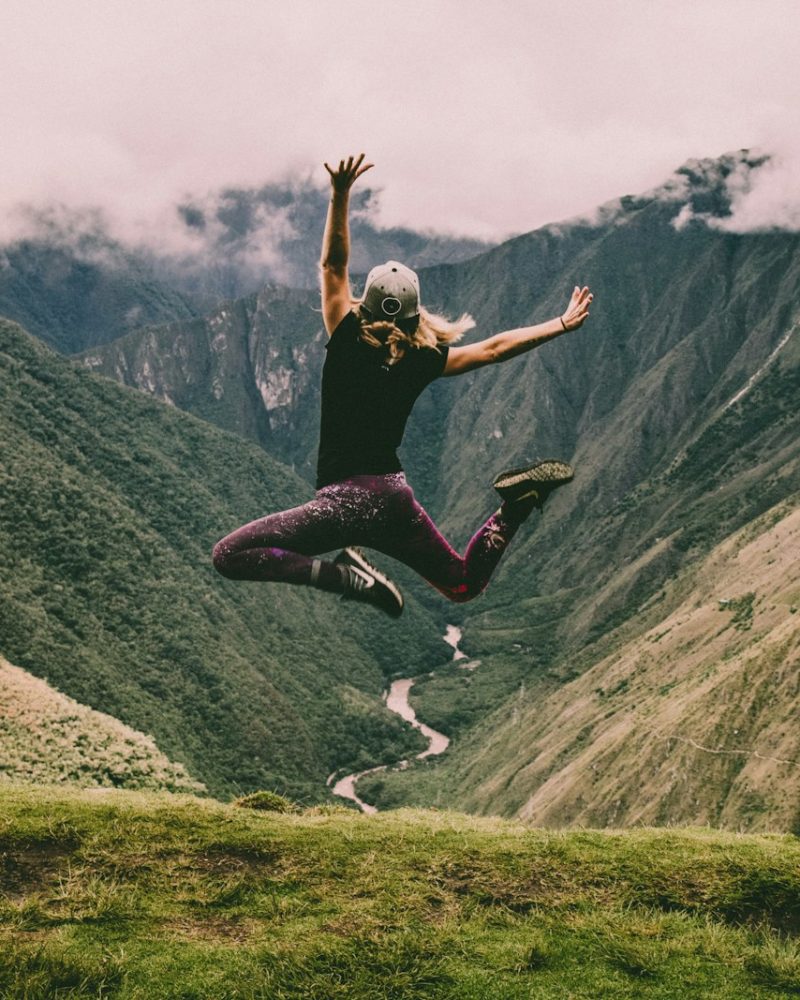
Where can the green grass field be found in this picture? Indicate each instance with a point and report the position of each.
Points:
(137, 895)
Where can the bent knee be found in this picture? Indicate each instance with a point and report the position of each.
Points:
(219, 557)
(462, 593)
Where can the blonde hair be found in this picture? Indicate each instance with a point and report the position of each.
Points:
(433, 330)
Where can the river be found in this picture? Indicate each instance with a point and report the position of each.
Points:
(397, 702)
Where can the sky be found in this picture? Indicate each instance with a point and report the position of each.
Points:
(481, 118)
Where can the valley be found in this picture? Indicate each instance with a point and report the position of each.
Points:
(677, 406)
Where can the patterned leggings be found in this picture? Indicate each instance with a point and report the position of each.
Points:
(378, 512)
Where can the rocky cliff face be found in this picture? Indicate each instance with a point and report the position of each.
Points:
(252, 367)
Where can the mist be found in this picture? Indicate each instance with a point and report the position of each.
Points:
(481, 122)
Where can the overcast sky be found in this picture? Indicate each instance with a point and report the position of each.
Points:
(482, 118)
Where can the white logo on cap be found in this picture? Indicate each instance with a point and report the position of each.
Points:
(391, 306)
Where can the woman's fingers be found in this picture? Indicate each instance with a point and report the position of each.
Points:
(349, 170)
(578, 308)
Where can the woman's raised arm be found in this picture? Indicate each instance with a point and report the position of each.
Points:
(336, 242)
(510, 343)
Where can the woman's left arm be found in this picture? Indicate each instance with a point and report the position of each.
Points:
(510, 343)
(336, 242)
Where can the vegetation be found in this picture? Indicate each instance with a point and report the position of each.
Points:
(742, 608)
(51, 739)
(110, 503)
(136, 897)
(268, 801)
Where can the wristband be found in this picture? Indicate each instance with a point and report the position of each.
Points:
(563, 324)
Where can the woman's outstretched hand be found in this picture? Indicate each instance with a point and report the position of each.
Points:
(343, 178)
(578, 309)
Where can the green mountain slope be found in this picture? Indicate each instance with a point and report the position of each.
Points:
(50, 739)
(131, 896)
(111, 502)
(88, 291)
(689, 717)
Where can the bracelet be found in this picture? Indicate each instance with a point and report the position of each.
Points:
(563, 324)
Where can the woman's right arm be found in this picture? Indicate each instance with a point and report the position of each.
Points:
(336, 243)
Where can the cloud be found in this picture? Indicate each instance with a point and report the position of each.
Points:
(749, 191)
(481, 119)
(764, 198)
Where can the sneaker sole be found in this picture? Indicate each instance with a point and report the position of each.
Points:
(549, 471)
(357, 558)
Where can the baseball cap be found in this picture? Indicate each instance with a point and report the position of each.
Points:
(391, 293)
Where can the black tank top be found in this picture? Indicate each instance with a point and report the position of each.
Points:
(366, 403)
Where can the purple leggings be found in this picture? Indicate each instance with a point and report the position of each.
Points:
(378, 512)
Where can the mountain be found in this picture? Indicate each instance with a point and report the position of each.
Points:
(111, 893)
(689, 717)
(84, 293)
(676, 403)
(693, 718)
(244, 236)
(110, 504)
(50, 739)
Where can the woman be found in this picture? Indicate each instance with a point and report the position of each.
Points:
(381, 353)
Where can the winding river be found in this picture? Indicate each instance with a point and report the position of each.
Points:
(397, 702)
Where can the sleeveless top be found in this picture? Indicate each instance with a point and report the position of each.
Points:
(366, 403)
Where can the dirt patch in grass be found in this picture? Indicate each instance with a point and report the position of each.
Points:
(31, 868)
(229, 859)
(213, 929)
(542, 883)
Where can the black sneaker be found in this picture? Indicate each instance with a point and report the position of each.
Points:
(367, 584)
(535, 481)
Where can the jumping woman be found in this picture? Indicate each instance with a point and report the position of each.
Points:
(383, 350)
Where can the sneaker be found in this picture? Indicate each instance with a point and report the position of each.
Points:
(367, 584)
(534, 482)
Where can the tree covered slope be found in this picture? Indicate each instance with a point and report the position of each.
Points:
(111, 503)
(51, 739)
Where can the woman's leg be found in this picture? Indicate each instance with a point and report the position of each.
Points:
(415, 540)
(379, 512)
(280, 547)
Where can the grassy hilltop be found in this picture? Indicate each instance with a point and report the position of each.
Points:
(48, 738)
(136, 895)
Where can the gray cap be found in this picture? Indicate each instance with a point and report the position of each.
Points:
(391, 293)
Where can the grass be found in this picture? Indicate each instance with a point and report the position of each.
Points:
(137, 895)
